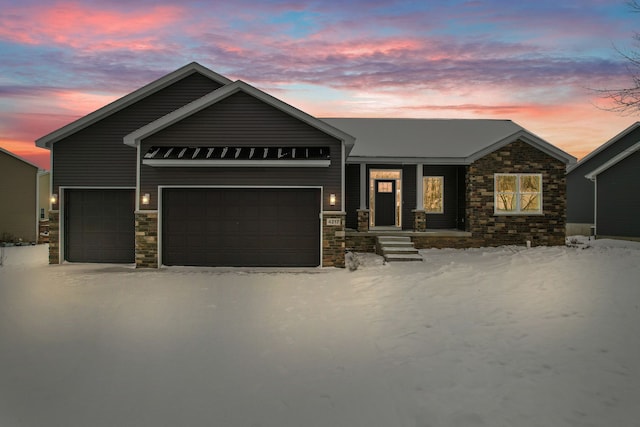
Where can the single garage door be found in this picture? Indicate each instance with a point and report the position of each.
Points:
(99, 226)
(263, 227)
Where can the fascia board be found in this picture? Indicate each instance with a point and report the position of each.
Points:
(127, 100)
(530, 139)
(604, 146)
(408, 160)
(613, 161)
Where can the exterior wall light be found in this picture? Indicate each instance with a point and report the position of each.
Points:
(146, 198)
(54, 199)
(332, 199)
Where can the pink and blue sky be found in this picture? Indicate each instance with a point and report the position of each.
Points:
(534, 62)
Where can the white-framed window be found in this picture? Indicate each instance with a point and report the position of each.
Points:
(518, 193)
(433, 198)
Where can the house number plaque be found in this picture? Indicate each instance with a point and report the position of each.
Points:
(334, 221)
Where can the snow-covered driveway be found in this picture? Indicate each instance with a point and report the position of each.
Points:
(483, 337)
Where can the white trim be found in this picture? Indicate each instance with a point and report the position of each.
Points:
(517, 193)
(127, 100)
(398, 212)
(343, 166)
(291, 163)
(419, 186)
(137, 205)
(38, 174)
(595, 207)
(61, 213)
(613, 161)
(528, 138)
(317, 187)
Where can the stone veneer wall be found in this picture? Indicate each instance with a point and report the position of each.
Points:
(146, 239)
(54, 237)
(495, 230)
(333, 240)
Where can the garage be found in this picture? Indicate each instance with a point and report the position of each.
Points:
(241, 227)
(99, 225)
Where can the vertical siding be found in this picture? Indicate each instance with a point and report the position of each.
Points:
(352, 196)
(241, 120)
(97, 156)
(619, 199)
(408, 195)
(580, 190)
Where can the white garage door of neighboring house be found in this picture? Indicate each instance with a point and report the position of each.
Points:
(241, 226)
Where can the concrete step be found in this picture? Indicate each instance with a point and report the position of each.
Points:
(394, 239)
(398, 250)
(403, 257)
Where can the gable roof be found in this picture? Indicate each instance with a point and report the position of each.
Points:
(127, 100)
(613, 161)
(436, 141)
(604, 146)
(217, 95)
(2, 150)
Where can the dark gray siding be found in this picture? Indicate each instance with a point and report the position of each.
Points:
(240, 120)
(580, 191)
(97, 156)
(619, 199)
(352, 196)
(408, 196)
(452, 210)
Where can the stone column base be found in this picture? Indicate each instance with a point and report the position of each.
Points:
(147, 239)
(333, 239)
(419, 220)
(363, 220)
(54, 237)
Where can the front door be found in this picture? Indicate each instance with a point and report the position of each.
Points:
(385, 203)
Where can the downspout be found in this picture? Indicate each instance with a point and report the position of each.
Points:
(595, 207)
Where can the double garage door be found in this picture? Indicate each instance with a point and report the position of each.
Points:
(200, 226)
(241, 226)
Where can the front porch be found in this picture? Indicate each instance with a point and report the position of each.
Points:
(365, 241)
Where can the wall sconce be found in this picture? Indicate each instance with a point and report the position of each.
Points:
(54, 199)
(146, 198)
(332, 199)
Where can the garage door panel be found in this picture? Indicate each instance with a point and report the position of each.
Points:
(242, 227)
(99, 225)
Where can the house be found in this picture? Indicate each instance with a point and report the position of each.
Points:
(19, 191)
(617, 196)
(581, 190)
(196, 169)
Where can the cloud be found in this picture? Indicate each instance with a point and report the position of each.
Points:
(79, 26)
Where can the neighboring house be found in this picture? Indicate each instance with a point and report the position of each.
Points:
(617, 196)
(19, 188)
(44, 184)
(581, 190)
(194, 169)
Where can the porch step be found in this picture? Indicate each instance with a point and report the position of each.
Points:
(397, 248)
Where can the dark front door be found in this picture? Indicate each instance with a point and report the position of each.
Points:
(385, 203)
(241, 227)
(99, 226)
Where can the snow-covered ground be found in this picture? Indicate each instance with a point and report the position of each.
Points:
(482, 337)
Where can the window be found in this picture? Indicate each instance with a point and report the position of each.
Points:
(433, 188)
(385, 187)
(41, 213)
(518, 194)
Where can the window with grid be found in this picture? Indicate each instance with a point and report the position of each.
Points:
(518, 194)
